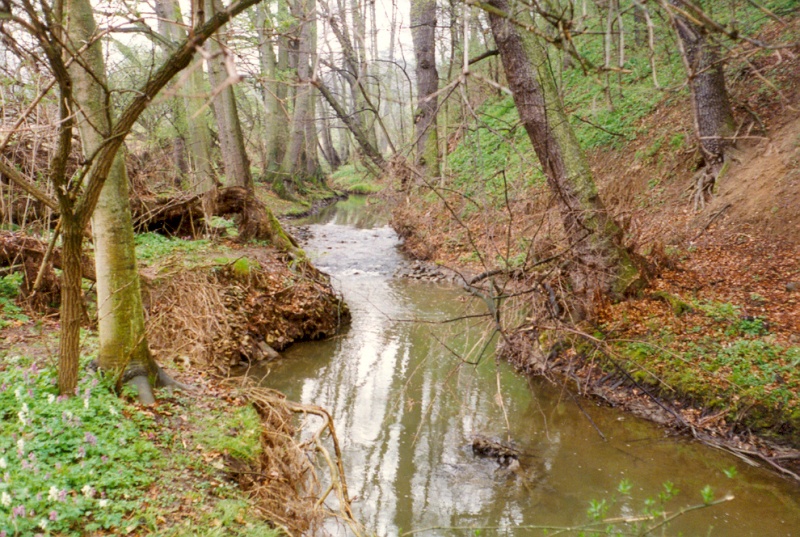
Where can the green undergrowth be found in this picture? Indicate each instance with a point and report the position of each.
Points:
(10, 312)
(153, 247)
(353, 179)
(100, 464)
(605, 109)
(723, 361)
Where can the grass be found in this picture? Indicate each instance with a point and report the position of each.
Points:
(99, 463)
(352, 180)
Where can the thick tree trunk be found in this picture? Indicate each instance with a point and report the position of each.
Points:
(123, 343)
(423, 33)
(712, 109)
(300, 161)
(231, 140)
(601, 266)
(713, 116)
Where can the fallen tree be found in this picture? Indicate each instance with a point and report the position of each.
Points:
(184, 215)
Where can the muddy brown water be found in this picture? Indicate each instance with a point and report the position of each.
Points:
(407, 401)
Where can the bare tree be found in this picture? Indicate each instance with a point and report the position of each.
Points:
(601, 264)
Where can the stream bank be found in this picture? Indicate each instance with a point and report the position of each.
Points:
(411, 384)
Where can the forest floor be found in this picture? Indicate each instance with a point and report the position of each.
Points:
(222, 456)
(712, 346)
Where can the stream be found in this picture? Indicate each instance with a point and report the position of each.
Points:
(408, 393)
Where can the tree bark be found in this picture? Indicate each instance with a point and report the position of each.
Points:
(194, 118)
(300, 161)
(270, 90)
(123, 343)
(713, 116)
(600, 266)
(234, 157)
(423, 33)
(71, 309)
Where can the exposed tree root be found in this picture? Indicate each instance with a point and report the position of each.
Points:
(284, 481)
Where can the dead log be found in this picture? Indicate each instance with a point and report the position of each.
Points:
(17, 249)
(504, 454)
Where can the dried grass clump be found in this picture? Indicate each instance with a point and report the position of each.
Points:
(222, 314)
(284, 482)
(190, 319)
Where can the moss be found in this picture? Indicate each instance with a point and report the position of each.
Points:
(243, 266)
(679, 307)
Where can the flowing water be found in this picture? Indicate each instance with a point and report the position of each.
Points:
(407, 401)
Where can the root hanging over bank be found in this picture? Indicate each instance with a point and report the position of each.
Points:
(285, 482)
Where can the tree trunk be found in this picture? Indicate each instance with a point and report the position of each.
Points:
(423, 33)
(123, 342)
(600, 265)
(301, 161)
(270, 90)
(353, 125)
(713, 116)
(194, 117)
(71, 306)
(326, 140)
(234, 157)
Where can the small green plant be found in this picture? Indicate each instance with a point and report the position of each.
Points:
(752, 326)
(70, 463)
(708, 494)
(152, 246)
(236, 433)
(677, 141)
(9, 290)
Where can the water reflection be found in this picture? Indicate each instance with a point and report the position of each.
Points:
(406, 408)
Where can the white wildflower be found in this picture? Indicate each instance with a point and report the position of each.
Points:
(85, 403)
(21, 445)
(25, 408)
(18, 392)
(51, 398)
(112, 411)
(43, 523)
(102, 503)
(21, 415)
(3, 463)
(5, 499)
(52, 494)
(87, 491)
